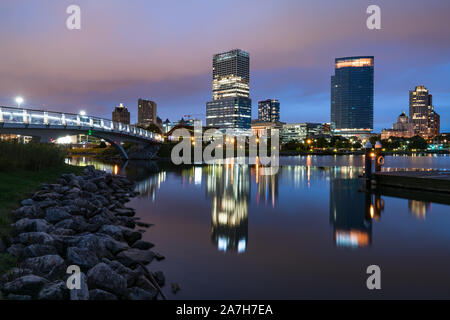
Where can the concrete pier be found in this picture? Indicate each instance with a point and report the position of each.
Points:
(435, 181)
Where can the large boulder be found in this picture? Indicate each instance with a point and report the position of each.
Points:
(130, 235)
(113, 246)
(82, 257)
(129, 274)
(26, 285)
(98, 294)
(113, 231)
(103, 277)
(27, 202)
(54, 291)
(136, 293)
(38, 250)
(159, 278)
(143, 245)
(128, 212)
(76, 223)
(51, 267)
(54, 215)
(13, 274)
(93, 243)
(16, 250)
(29, 238)
(132, 256)
(90, 187)
(83, 292)
(31, 225)
(29, 212)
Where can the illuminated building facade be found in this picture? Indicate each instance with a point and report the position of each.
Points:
(146, 113)
(352, 96)
(261, 128)
(299, 131)
(269, 110)
(121, 114)
(401, 129)
(425, 120)
(231, 106)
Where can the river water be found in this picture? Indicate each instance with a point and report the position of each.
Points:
(229, 232)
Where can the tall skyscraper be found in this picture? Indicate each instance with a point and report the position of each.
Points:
(425, 120)
(352, 95)
(269, 110)
(146, 112)
(231, 106)
(121, 114)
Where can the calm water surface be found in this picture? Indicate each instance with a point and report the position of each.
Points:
(308, 232)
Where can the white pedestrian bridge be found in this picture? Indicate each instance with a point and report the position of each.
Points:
(49, 126)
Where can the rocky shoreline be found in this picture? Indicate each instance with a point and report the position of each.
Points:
(81, 221)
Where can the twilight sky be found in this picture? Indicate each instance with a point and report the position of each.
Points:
(162, 50)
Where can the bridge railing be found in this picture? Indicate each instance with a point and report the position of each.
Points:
(68, 120)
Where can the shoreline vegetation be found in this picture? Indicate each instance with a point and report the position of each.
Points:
(81, 220)
(53, 215)
(23, 168)
(309, 146)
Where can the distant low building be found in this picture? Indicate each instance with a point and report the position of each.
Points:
(259, 128)
(299, 131)
(401, 129)
(167, 126)
(121, 114)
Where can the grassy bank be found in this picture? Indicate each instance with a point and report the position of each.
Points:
(23, 167)
(16, 186)
(20, 184)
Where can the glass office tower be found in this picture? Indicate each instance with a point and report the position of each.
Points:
(424, 119)
(269, 110)
(352, 96)
(231, 105)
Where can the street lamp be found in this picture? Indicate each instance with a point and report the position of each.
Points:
(82, 113)
(19, 101)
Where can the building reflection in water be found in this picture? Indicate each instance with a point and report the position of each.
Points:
(267, 187)
(84, 161)
(148, 186)
(228, 186)
(419, 209)
(352, 210)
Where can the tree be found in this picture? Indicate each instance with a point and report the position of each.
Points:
(322, 143)
(373, 140)
(291, 145)
(153, 128)
(418, 143)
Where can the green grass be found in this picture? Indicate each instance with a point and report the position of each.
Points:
(7, 262)
(17, 185)
(23, 168)
(30, 156)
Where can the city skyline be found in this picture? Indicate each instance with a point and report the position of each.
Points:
(93, 69)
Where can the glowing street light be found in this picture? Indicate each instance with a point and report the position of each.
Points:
(82, 113)
(19, 101)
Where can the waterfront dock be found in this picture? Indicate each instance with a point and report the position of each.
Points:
(431, 181)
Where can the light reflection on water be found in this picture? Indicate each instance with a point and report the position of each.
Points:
(307, 232)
